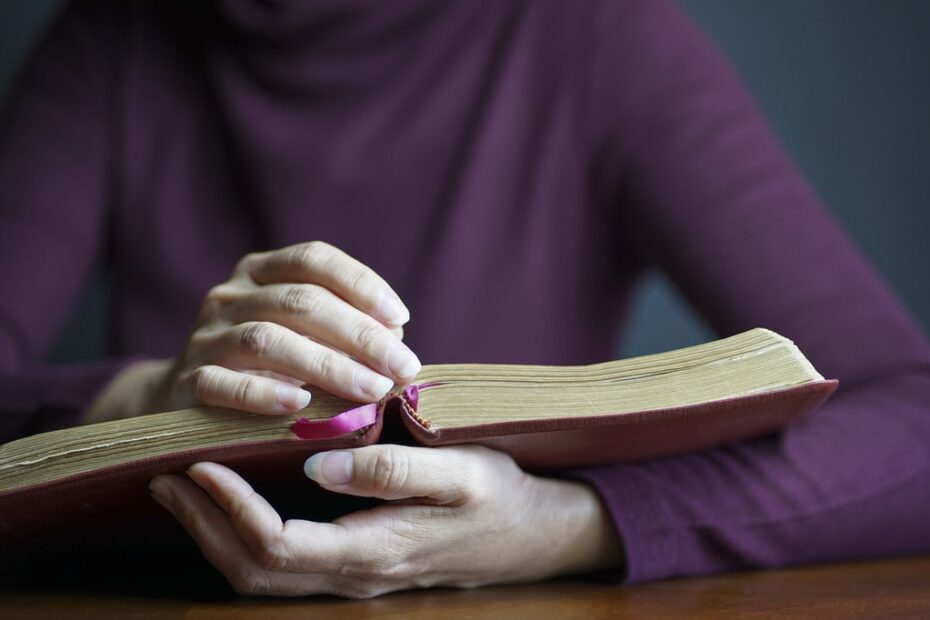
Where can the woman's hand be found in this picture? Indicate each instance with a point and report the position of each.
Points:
(304, 314)
(462, 516)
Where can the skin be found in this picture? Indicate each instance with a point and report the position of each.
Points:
(304, 314)
(461, 516)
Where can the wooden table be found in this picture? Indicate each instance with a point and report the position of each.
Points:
(885, 589)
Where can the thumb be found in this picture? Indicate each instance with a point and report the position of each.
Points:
(392, 472)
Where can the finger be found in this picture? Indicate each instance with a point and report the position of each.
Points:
(319, 314)
(207, 525)
(295, 546)
(211, 529)
(395, 472)
(320, 263)
(271, 347)
(221, 387)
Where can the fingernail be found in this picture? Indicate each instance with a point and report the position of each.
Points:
(372, 383)
(329, 467)
(390, 310)
(200, 473)
(212, 477)
(402, 362)
(291, 397)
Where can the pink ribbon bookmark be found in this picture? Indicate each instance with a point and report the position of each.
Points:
(341, 424)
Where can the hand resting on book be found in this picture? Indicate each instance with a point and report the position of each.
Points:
(307, 313)
(459, 516)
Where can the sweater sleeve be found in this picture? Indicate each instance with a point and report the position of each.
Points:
(55, 172)
(708, 196)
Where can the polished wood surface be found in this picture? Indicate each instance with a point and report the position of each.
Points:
(885, 589)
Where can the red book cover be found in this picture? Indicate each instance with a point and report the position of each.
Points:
(112, 506)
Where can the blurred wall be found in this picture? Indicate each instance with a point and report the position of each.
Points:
(846, 85)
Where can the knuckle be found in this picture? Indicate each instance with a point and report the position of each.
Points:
(221, 293)
(199, 340)
(299, 300)
(247, 262)
(327, 369)
(258, 338)
(473, 482)
(473, 487)
(355, 588)
(383, 567)
(366, 336)
(245, 391)
(273, 555)
(248, 581)
(390, 470)
(479, 477)
(311, 255)
(361, 280)
(203, 379)
(216, 299)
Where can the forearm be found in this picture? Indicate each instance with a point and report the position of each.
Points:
(852, 481)
(709, 197)
(579, 530)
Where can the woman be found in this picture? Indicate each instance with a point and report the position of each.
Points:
(511, 169)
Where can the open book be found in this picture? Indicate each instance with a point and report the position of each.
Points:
(699, 397)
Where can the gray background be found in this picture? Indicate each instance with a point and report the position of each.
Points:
(846, 85)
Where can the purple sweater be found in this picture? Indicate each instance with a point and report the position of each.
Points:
(512, 168)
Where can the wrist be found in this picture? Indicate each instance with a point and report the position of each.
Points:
(129, 393)
(589, 542)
